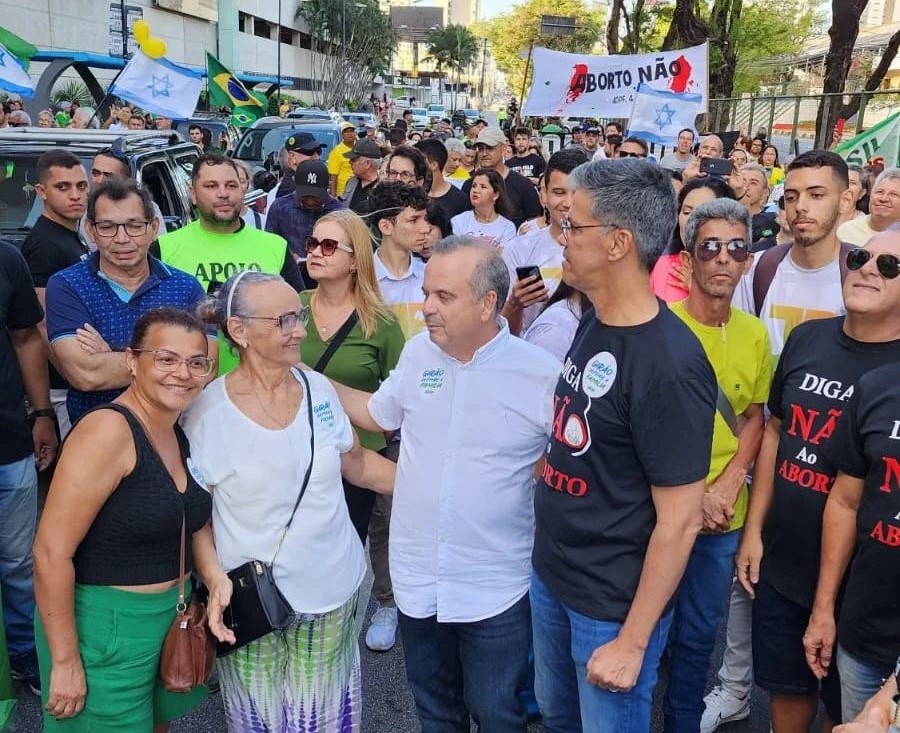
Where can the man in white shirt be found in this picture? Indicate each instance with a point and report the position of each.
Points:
(678, 159)
(884, 210)
(475, 406)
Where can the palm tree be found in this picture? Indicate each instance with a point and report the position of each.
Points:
(453, 47)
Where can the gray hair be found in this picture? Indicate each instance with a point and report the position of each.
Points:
(717, 139)
(232, 300)
(728, 210)
(634, 195)
(454, 146)
(490, 274)
(757, 168)
(888, 174)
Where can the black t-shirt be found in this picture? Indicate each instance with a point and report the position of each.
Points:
(359, 201)
(764, 225)
(867, 446)
(530, 166)
(453, 202)
(815, 378)
(521, 198)
(634, 408)
(19, 308)
(49, 248)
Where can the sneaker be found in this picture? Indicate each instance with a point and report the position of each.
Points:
(382, 631)
(24, 669)
(723, 707)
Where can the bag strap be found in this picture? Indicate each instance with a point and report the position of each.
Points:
(339, 338)
(182, 606)
(312, 455)
(765, 273)
(726, 411)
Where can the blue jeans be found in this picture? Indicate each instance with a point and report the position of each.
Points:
(859, 681)
(564, 641)
(460, 669)
(700, 603)
(18, 520)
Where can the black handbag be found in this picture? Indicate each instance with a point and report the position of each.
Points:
(257, 606)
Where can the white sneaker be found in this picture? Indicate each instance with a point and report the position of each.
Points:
(382, 631)
(723, 707)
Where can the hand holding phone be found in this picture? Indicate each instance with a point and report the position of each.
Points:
(720, 167)
(529, 287)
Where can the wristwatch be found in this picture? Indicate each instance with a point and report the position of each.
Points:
(45, 412)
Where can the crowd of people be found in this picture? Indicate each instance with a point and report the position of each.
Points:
(413, 344)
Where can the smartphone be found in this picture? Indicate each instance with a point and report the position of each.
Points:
(720, 167)
(528, 271)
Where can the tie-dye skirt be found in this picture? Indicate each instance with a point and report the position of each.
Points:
(305, 679)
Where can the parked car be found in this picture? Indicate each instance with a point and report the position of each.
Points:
(265, 138)
(315, 115)
(360, 118)
(471, 114)
(436, 112)
(161, 160)
(420, 118)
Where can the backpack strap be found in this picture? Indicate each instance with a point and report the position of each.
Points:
(765, 273)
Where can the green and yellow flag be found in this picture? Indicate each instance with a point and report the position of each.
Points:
(225, 90)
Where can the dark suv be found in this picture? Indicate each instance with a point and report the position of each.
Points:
(162, 161)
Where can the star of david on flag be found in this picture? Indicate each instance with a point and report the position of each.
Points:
(159, 86)
(13, 77)
(658, 116)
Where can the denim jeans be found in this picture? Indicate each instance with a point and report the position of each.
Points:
(699, 607)
(859, 681)
(564, 641)
(460, 669)
(18, 521)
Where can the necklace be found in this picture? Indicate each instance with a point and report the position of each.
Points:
(259, 401)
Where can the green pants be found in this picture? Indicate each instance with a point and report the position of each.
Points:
(120, 636)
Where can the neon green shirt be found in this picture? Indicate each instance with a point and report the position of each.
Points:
(339, 166)
(740, 355)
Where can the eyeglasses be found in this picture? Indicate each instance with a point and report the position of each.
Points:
(287, 322)
(625, 154)
(327, 246)
(405, 176)
(888, 265)
(168, 362)
(109, 229)
(567, 226)
(709, 249)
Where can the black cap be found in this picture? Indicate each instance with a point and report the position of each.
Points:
(303, 142)
(365, 147)
(311, 179)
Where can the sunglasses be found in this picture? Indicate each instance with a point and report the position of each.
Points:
(709, 249)
(326, 246)
(624, 154)
(888, 265)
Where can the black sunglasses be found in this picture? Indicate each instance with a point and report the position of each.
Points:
(709, 249)
(624, 154)
(888, 265)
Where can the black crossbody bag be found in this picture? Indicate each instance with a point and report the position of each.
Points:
(257, 605)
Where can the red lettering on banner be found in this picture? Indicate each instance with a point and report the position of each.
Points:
(559, 481)
(805, 477)
(886, 534)
(805, 420)
(891, 471)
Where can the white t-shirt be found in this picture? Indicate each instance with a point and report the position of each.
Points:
(462, 523)
(404, 294)
(250, 219)
(856, 231)
(497, 233)
(255, 475)
(537, 247)
(795, 296)
(554, 329)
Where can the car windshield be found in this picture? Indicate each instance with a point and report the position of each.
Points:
(257, 144)
(471, 112)
(435, 107)
(419, 111)
(308, 114)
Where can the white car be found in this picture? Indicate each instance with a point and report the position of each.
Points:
(421, 120)
(436, 112)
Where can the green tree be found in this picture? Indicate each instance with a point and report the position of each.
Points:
(452, 47)
(644, 28)
(512, 33)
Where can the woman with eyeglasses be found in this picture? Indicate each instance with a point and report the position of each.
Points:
(250, 434)
(108, 548)
(347, 313)
(486, 219)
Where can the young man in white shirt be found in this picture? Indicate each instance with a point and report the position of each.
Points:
(475, 406)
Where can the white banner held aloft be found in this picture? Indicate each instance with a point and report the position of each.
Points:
(575, 85)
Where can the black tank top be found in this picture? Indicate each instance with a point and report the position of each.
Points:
(135, 538)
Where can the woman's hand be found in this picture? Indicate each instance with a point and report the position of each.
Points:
(68, 689)
(219, 599)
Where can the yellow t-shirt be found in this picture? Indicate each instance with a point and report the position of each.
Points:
(460, 174)
(740, 355)
(339, 166)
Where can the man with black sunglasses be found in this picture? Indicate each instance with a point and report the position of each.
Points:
(717, 240)
(632, 147)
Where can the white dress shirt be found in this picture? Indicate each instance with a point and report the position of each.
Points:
(462, 524)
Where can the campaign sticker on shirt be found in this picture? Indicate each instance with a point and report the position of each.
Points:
(196, 475)
(432, 380)
(599, 374)
(324, 413)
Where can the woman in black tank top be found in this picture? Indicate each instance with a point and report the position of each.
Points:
(107, 553)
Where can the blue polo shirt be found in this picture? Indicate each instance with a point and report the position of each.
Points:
(82, 294)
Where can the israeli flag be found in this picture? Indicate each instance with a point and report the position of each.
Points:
(159, 86)
(13, 78)
(657, 116)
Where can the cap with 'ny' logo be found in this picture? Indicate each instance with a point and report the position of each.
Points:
(311, 178)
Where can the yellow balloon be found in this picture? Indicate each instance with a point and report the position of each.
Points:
(155, 48)
(141, 30)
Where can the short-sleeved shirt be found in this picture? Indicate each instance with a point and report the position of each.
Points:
(530, 166)
(634, 408)
(741, 357)
(814, 381)
(462, 522)
(82, 294)
(672, 162)
(403, 294)
(453, 202)
(521, 198)
(554, 329)
(494, 234)
(255, 475)
(340, 167)
(359, 362)
(537, 247)
(856, 231)
(867, 446)
(19, 309)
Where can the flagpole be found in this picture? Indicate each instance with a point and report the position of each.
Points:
(106, 97)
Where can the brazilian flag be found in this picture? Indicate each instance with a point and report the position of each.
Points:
(225, 90)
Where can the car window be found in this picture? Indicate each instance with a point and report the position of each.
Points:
(21, 205)
(257, 144)
(419, 111)
(155, 175)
